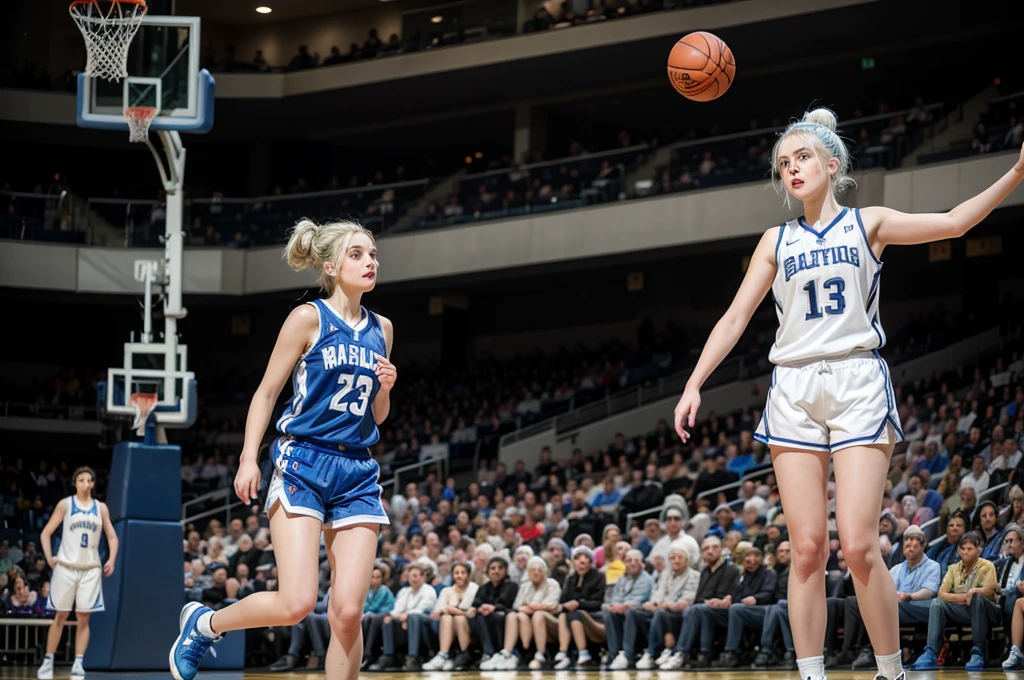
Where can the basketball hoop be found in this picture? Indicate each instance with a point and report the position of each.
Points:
(139, 118)
(143, 404)
(108, 27)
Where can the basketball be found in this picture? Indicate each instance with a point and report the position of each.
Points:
(701, 66)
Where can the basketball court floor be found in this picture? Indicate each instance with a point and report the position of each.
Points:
(23, 673)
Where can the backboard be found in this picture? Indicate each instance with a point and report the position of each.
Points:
(164, 72)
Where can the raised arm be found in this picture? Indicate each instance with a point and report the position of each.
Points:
(729, 328)
(892, 227)
(296, 336)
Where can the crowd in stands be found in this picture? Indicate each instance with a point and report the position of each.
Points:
(1001, 127)
(540, 568)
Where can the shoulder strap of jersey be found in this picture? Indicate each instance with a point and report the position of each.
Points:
(321, 315)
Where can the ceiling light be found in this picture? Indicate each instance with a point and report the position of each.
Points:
(264, 10)
(436, 20)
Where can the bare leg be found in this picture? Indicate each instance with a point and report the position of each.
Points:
(296, 548)
(802, 476)
(1016, 628)
(579, 635)
(55, 632)
(355, 547)
(860, 482)
(525, 630)
(540, 630)
(462, 632)
(564, 636)
(446, 633)
(511, 631)
(82, 634)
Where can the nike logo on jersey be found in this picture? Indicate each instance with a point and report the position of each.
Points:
(789, 243)
(333, 328)
(818, 258)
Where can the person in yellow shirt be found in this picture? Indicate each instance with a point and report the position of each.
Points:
(968, 595)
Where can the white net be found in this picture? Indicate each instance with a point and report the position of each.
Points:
(108, 28)
(139, 118)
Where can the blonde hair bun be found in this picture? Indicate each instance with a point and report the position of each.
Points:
(822, 116)
(311, 245)
(301, 252)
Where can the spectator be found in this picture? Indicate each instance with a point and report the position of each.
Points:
(582, 596)
(977, 478)
(533, 619)
(947, 552)
(967, 596)
(631, 591)
(717, 582)
(247, 554)
(21, 600)
(652, 534)
(492, 604)
(1011, 583)
(446, 622)
(674, 593)
(418, 597)
(379, 601)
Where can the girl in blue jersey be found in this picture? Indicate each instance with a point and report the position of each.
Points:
(831, 396)
(336, 353)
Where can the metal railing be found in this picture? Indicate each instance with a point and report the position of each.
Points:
(628, 399)
(25, 637)
(441, 461)
(756, 474)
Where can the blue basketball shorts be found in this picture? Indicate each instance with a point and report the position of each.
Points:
(337, 487)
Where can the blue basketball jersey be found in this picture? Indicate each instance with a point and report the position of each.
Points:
(335, 383)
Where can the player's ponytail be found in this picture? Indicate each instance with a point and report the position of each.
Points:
(313, 245)
(818, 128)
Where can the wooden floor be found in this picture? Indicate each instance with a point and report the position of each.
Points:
(22, 673)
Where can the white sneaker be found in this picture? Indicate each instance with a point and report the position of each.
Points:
(45, 671)
(489, 664)
(673, 663)
(619, 663)
(435, 664)
(538, 662)
(645, 663)
(1015, 661)
(562, 661)
(665, 655)
(77, 671)
(509, 661)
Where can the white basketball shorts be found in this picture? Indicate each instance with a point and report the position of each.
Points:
(82, 588)
(831, 405)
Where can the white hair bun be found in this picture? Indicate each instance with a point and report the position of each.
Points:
(822, 116)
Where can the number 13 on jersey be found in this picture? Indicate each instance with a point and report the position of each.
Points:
(837, 286)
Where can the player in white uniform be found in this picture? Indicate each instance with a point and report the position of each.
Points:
(830, 395)
(77, 570)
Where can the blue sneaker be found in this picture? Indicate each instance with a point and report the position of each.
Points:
(925, 662)
(976, 662)
(191, 646)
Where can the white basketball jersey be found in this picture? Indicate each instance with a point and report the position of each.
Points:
(825, 291)
(80, 544)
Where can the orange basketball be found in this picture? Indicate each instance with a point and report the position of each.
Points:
(701, 67)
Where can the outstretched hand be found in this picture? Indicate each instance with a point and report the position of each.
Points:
(1019, 166)
(686, 412)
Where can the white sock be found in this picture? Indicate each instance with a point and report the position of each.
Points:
(813, 668)
(890, 666)
(584, 655)
(539, 656)
(204, 625)
(48, 657)
(79, 658)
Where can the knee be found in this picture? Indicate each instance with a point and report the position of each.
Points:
(61, 618)
(631, 614)
(345, 617)
(810, 553)
(81, 617)
(538, 617)
(861, 554)
(294, 607)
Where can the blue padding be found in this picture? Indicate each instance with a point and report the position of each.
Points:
(143, 599)
(145, 483)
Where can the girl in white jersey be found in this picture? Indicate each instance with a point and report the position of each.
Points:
(77, 572)
(830, 394)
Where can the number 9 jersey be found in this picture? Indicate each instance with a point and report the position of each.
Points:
(334, 383)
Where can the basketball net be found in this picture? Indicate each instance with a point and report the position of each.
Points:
(108, 27)
(143, 403)
(139, 118)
